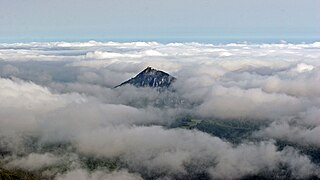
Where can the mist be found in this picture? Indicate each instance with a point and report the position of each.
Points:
(237, 111)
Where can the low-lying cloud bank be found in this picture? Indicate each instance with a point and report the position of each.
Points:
(61, 117)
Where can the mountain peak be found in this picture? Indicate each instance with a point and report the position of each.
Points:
(150, 77)
(148, 69)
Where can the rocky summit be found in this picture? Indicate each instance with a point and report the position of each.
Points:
(150, 77)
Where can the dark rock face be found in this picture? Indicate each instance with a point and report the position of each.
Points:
(150, 78)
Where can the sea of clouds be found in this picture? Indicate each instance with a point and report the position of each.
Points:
(61, 94)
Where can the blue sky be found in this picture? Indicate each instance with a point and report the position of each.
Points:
(28, 20)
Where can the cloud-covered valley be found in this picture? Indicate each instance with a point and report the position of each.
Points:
(236, 111)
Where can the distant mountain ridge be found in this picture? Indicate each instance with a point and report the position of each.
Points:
(150, 77)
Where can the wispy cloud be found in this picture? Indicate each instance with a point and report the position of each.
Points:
(62, 93)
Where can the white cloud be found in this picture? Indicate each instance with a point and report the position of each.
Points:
(302, 67)
(81, 174)
(61, 92)
(34, 161)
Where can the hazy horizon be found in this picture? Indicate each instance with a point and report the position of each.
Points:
(205, 40)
